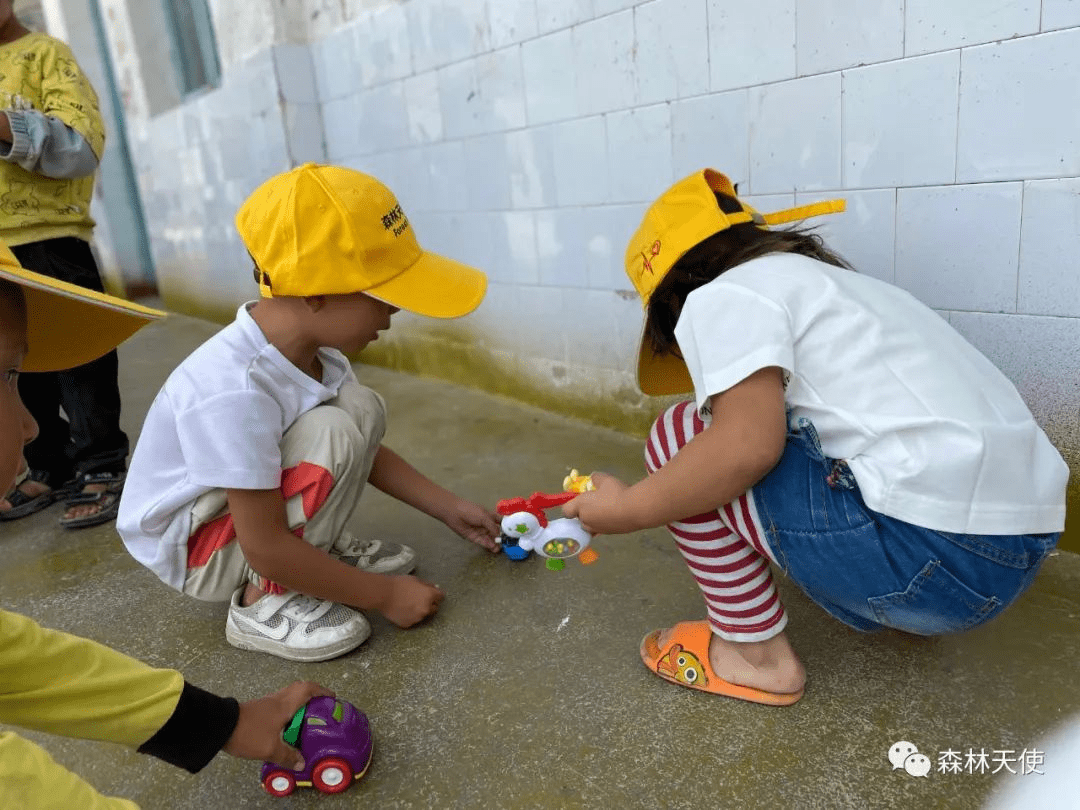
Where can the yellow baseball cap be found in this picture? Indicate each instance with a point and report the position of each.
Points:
(324, 230)
(684, 216)
(67, 325)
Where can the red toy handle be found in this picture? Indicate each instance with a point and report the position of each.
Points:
(545, 500)
(534, 504)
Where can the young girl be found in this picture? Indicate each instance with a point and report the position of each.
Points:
(840, 429)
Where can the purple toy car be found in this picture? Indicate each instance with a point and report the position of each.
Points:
(335, 739)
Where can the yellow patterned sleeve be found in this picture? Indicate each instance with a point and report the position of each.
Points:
(67, 94)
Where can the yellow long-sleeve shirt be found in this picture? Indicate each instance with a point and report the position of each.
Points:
(39, 72)
(60, 683)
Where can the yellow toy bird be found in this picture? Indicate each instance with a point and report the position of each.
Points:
(576, 482)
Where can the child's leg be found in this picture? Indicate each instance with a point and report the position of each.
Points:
(90, 441)
(327, 456)
(872, 571)
(348, 447)
(729, 558)
(724, 548)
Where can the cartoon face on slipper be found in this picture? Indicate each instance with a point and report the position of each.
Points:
(683, 666)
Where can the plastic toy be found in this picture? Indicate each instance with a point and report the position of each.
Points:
(525, 527)
(335, 739)
(576, 482)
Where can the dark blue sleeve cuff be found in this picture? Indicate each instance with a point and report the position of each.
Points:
(200, 725)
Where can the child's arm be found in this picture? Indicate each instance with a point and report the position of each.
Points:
(396, 477)
(262, 530)
(65, 136)
(32, 780)
(744, 441)
(45, 145)
(59, 683)
(62, 684)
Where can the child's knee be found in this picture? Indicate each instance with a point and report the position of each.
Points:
(327, 436)
(368, 409)
(673, 428)
(336, 425)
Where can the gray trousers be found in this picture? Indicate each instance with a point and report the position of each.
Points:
(326, 458)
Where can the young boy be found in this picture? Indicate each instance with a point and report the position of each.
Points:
(56, 682)
(254, 454)
(51, 138)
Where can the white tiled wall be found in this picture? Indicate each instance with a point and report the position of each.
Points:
(834, 34)
(1020, 109)
(1049, 280)
(750, 43)
(887, 109)
(794, 135)
(934, 25)
(956, 246)
(528, 136)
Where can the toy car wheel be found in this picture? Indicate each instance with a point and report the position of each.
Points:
(279, 783)
(332, 775)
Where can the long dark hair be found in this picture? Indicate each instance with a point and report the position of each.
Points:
(716, 255)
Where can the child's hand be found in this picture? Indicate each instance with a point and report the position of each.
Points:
(411, 600)
(258, 729)
(602, 511)
(475, 523)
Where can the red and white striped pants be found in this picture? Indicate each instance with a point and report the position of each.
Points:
(725, 548)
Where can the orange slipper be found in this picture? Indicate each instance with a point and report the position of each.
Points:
(685, 660)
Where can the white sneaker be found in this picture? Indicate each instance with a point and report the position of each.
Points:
(293, 626)
(374, 556)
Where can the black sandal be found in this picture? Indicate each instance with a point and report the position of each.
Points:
(23, 505)
(108, 499)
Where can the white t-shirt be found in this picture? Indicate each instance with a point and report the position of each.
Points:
(216, 423)
(935, 435)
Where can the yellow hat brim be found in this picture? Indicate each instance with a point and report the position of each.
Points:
(434, 286)
(682, 217)
(67, 325)
(661, 375)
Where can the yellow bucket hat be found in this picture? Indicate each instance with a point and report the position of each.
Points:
(67, 325)
(684, 216)
(324, 230)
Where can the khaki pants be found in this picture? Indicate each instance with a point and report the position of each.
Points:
(326, 457)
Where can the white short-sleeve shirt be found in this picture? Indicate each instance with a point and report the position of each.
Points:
(216, 423)
(934, 433)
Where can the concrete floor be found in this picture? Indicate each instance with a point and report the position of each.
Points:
(526, 690)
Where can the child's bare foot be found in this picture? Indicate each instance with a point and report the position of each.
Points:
(86, 509)
(769, 665)
(29, 488)
(93, 500)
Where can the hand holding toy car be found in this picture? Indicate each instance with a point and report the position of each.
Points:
(335, 744)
